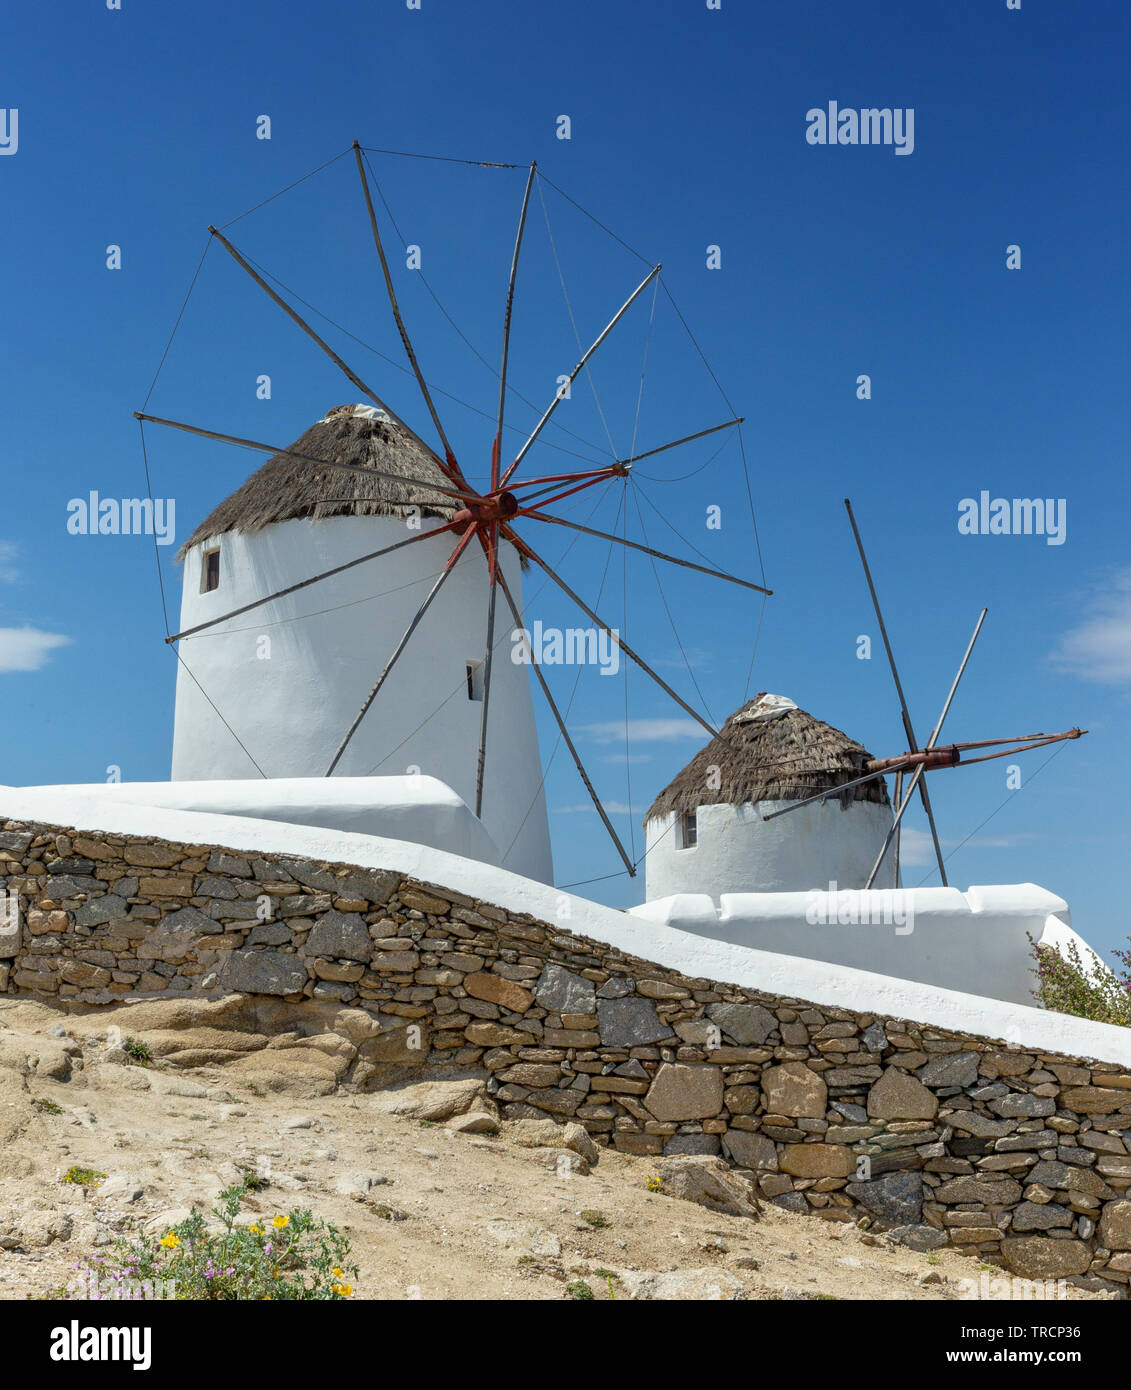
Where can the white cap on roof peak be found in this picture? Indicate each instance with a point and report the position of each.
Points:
(357, 412)
(766, 706)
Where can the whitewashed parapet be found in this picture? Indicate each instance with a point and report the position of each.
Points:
(977, 940)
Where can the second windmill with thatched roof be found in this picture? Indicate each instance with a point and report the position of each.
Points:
(706, 832)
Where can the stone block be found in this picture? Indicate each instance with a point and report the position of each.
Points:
(685, 1091)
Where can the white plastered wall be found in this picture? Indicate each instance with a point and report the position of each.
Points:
(327, 646)
(739, 852)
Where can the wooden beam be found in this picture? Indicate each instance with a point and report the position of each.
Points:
(647, 549)
(405, 340)
(525, 549)
(616, 318)
(452, 473)
(498, 445)
(628, 864)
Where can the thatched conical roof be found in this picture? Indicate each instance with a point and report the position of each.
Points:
(773, 752)
(287, 487)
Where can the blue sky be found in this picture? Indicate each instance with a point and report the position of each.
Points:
(137, 128)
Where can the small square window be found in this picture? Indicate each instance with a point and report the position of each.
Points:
(688, 830)
(210, 571)
(475, 680)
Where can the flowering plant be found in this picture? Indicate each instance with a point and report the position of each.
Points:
(290, 1256)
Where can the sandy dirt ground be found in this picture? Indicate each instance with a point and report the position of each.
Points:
(432, 1213)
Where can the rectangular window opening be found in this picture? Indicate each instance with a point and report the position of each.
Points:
(688, 830)
(210, 571)
(475, 680)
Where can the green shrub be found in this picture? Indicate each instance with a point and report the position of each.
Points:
(282, 1258)
(1067, 986)
(138, 1051)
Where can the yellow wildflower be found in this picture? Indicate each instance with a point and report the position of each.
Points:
(256, 1230)
(343, 1290)
(170, 1242)
(337, 1273)
(280, 1221)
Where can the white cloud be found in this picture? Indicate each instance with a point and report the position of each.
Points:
(1000, 841)
(1099, 648)
(9, 573)
(26, 648)
(645, 731)
(915, 846)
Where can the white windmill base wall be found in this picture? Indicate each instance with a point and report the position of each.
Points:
(422, 810)
(739, 852)
(974, 941)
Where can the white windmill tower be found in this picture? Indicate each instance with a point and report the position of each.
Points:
(284, 682)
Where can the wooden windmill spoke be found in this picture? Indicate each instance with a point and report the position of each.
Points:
(453, 473)
(569, 743)
(932, 760)
(1039, 741)
(491, 545)
(407, 342)
(303, 458)
(314, 579)
(399, 648)
(687, 439)
(538, 428)
(621, 643)
(608, 470)
(904, 712)
(897, 800)
(917, 779)
(958, 676)
(498, 444)
(569, 492)
(647, 549)
(553, 485)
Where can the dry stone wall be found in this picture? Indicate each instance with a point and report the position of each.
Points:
(1020, 1157)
